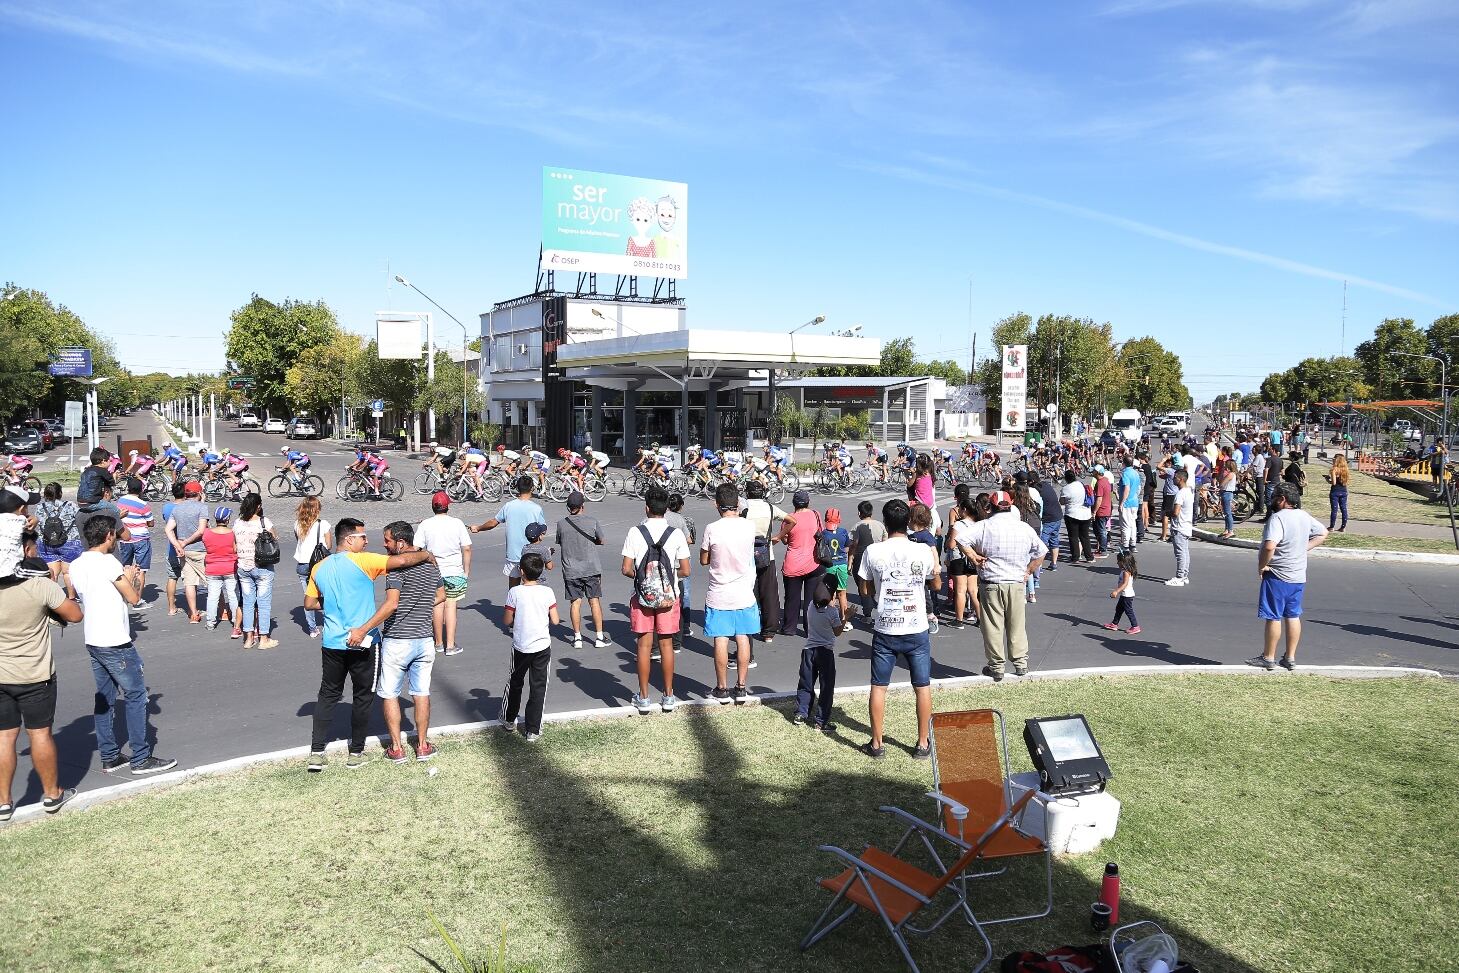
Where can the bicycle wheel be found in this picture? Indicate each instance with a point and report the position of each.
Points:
(31, 484)
(249, 485)
(594, 489)
(775, 492)
(425, 482)
(1244, 505)
(613, 482)
(392, 489)
(491, 489)
(356, 489)
(315, 485)
(559, 488)
(212, 491)
(280, 486)
(456, 489)
(342, 488)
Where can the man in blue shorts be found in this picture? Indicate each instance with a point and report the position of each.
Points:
(731, 612)
(1290, 533)
(899, 570)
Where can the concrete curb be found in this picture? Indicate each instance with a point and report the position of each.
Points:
(1343, 553)
(103, 795)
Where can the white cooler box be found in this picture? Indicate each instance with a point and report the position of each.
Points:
(1069, 825)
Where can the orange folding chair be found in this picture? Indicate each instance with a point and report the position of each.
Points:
(970, 786)
(897, 891)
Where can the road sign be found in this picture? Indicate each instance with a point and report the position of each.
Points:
(75, 425)
(71, 362)
(240, 382)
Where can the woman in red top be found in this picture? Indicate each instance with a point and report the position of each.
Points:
(220, 564)
(800, 570)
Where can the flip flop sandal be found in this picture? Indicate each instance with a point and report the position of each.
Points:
(194, 619)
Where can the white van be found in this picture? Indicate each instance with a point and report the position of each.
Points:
(1126, 424)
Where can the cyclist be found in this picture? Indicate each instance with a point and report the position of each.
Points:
(663, 462)
(778, 459)
(597, 462)
(18, 468)
(296, 464)
(175, 458)
(474, 463)
(538, 464)
(236, 466)
(906, 457)
(572, 464)
(647, 459)
(375, 467)
(734, 464)
(209, 463)
(113, 463)
(702, 458)
(442, 459)
(140, 464)
(838, 458)
(876, 460)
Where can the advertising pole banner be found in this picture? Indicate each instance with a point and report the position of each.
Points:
(1015, 388)
(71, 363)
(594, 222)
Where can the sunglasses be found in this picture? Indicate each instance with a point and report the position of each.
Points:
(360, 536)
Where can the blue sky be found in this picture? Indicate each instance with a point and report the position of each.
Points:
(1205, 172)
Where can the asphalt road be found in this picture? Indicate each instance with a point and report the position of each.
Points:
(211, 700)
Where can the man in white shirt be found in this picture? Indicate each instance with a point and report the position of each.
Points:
(899, 570)
(450, 541)
(105, 589)
(1006, 552)
(1180, 529)
(730, 610)
(1290, 534)
(650, 623)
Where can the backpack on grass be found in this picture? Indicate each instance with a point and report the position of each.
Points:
(653, 580)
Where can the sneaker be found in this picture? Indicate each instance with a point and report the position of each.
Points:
(424, 752)
(753, 663)
(1020, 670)
(720, 695)
(506, 726)
(1261, 662)
(955, 624)
(1111, 626)
(395, 755)
(921, 752)
(317, 762)
(212, 625)
(1288, 664)
(532, 737)
(798, 719)
(827, 728)
(994, 674)
(314, 634)
(739, 694)
(932, 625)
(602, 642)
(641, 704)
(153, 765)
(1033, 598)
(1134, 630)
(54, 804)
(114, 764)
(439, 648)
(454, 650)
(875, 753)
(577, 640)
(140, 607)
(355, 761)
(268, 643)
(668, 703)
(1052, 567)
(1173, 582)
(656, 656)
(734, 664)
(7, 811)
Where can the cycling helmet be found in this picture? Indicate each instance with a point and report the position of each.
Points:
(501, 447)
(466, 444)
(562, 451)
(166, 445)
(654, 444)
(283, 449)
(132, 453)
(227, 451)
(432, 444)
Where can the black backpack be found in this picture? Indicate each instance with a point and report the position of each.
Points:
(266, 549)
(825, 551)
(54, 531)
(319, 553)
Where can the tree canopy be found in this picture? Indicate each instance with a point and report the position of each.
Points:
(266, 339)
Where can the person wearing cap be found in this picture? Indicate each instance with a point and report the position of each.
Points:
(838, 576)
(220, 565)
(185, 533)
(136, 516)
(1103, 491)
(537, 545)
(1290, 534)
(105, 589)
(516, 515)
(801, 571)
(579, 536)
(15, 520)
(447, 538)
(1006, 551)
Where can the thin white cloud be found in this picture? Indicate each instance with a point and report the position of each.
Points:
(1146, 229)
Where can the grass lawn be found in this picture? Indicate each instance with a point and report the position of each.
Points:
(1429, 545)
(1373, 499)
(1270, 823)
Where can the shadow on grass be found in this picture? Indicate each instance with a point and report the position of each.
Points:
(739, 891)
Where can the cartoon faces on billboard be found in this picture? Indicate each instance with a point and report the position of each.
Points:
(1014, 357)
(666, 244)
(641, 218)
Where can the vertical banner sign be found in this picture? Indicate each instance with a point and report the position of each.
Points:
(75, 425)
(1015, 387)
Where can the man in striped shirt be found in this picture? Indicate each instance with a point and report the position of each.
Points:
(137, 521)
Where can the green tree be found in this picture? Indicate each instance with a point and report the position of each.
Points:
(444, 394)
(1327, 380)
(1151, 379)
(948, 370)
(1393, 376)
(898, 357)
(266, 339)
(1277, 387)
(323, 375)
(32, 330)
(1443, 340)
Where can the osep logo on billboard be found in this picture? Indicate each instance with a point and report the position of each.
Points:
(595, 222)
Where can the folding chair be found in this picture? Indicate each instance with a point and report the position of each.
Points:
(970, 785)
(897, 891)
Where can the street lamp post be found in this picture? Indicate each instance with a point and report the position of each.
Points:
(819, 319)
(465, 370)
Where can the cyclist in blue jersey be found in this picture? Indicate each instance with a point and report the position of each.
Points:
(296, 464)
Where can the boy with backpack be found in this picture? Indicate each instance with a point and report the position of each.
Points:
(655, 556)
(530, 613)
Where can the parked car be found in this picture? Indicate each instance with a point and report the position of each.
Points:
(41, 427)
(58, 431)
(1170, 424)
(248, 420)
(301, 427)
(273, 425)
(24, 439)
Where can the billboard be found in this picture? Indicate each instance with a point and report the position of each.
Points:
(1015, 388)
(71, 362)
(593, 222)
(397, 334)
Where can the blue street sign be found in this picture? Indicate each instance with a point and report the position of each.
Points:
(71, 362)
(378, 405)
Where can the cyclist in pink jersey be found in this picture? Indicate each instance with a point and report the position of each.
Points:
(377, 466)
(237, 466)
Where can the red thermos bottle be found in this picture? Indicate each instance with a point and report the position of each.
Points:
(1109, 891)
